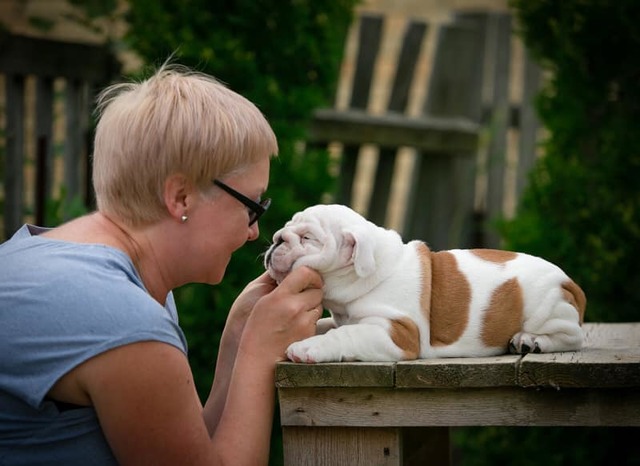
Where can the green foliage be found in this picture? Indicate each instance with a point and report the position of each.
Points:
(283, 55)
(582, 207)
(63, 208)
(548, 446)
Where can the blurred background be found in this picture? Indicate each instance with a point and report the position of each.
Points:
(464, 123)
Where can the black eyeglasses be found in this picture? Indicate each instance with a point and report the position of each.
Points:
(255, 209)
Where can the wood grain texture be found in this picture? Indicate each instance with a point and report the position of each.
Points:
(407, 446)
(354, 374)
(503, 406)
(458, 372)
(610, 358)
(321, 446)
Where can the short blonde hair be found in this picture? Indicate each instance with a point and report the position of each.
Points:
(176, 121)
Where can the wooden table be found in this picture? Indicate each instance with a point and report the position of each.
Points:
(400, 413)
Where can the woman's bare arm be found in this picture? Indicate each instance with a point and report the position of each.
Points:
(148, 406)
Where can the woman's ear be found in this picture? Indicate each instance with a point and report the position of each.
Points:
(177, 196)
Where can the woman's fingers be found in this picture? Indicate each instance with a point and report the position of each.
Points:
(288, 313)
(302, 279)
(302, 289)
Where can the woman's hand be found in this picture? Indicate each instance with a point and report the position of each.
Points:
(273, 316)
(276, 316)
(285, 314)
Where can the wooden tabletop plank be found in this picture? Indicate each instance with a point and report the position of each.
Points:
(612, 335)
(609, 358)
(353, 374)
(458, 372)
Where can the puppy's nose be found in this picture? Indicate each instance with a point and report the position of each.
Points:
(267, 257)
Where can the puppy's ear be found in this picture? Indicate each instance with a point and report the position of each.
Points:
(363, 250)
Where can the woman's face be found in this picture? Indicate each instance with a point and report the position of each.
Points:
(221, 225)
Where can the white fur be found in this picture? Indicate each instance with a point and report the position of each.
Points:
(372, 279)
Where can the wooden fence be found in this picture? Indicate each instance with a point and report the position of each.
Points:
(46, 104)
(462, 171)
(441, 173)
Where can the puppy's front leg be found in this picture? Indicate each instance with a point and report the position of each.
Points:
(373, 340)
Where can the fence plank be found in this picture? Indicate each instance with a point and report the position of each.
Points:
(529, 124)
(391, 130)
(440, 201)
(44, 147)
(83, 68)
(499, 53)
(73, 147)
(370, 34)
(14, 176)
(459, 177)
(404, 76)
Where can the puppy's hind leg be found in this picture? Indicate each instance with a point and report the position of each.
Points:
(560, 332)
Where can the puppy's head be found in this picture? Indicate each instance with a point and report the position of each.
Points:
(332, 239)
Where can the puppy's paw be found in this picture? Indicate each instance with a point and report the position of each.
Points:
(523, 343)
(309, 351)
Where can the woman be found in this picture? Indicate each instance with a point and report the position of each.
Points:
(93, 366)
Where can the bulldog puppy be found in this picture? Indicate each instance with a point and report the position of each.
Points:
(393, 301)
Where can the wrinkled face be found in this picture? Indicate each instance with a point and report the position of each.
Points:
(319, 237)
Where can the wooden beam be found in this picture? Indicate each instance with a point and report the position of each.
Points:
(440, 135)
(499, 406)
(72, 61)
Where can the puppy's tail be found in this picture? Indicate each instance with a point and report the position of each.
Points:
(574, 295)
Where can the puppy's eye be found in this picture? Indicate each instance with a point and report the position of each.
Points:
(308, 237)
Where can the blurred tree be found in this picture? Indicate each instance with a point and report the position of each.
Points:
(582, 206)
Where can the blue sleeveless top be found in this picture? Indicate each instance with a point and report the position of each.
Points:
(62, 303)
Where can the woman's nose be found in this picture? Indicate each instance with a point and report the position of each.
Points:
(254, 232)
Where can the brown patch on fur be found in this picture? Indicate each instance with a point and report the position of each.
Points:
(449, 300)
(406, 336)
(503, 318)
(494, 255)
(574, 295)
(425, 261)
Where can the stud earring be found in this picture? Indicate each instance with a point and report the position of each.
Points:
(184, 218)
